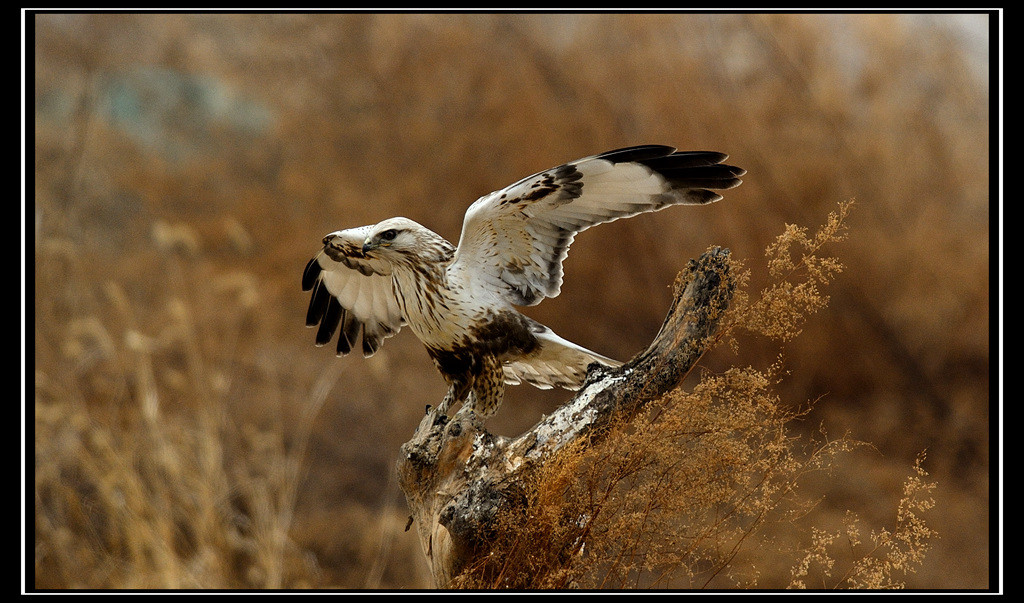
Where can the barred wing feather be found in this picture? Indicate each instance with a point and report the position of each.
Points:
(516, 239)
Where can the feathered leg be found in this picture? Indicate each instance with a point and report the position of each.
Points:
(488, 388)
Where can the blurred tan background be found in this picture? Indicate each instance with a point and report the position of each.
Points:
(189, 434)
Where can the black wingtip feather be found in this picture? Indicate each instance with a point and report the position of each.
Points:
(329, 324)
(685, 159)
(317, 305)
(684, 169)
(701, 196)
(698, 169)
(687, 181)
(311, 272)
(640, 153)
(371, 344)
(349, 331)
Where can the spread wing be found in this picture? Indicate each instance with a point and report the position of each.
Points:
(514, 240)
(350, 291)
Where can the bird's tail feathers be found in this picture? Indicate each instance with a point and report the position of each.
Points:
(555, 363)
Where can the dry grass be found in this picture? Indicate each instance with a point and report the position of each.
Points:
(187, 433)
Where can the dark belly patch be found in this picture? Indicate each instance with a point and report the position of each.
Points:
(505, 335)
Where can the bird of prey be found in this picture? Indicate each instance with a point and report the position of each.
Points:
(460, 301)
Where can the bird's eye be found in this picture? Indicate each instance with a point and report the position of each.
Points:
(389, 235)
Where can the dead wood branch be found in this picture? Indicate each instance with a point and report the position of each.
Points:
(457, 476)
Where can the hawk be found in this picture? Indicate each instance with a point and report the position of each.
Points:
(460, 301)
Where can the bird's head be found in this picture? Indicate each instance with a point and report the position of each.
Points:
(396, 239)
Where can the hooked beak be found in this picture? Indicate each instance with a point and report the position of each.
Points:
(368, 246)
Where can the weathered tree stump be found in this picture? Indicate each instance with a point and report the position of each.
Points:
(457, 476)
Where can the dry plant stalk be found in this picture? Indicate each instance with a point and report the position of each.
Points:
(892, 553)
(796, 288)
